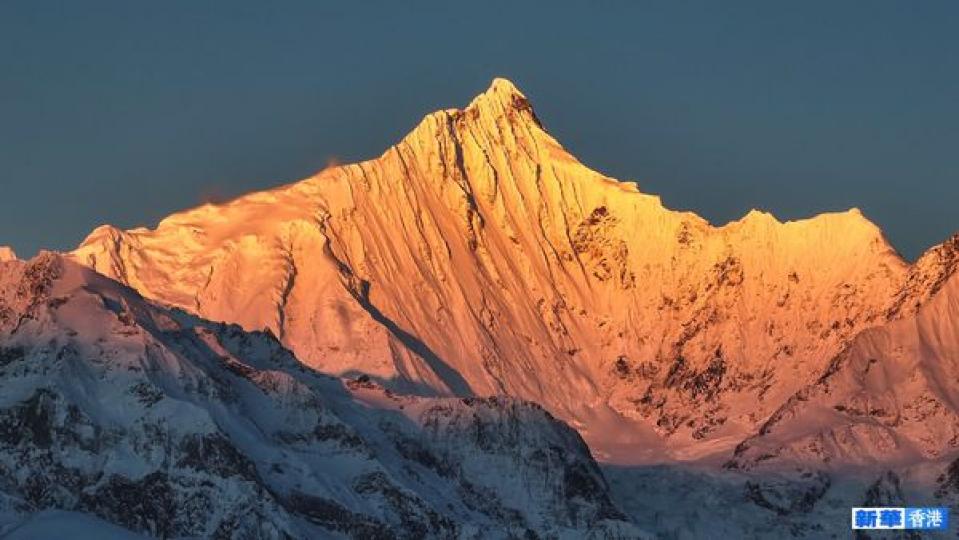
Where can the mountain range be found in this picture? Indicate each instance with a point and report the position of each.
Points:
(373, 341)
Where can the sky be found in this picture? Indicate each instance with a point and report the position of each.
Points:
(124, 112)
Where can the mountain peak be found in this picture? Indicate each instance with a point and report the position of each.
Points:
(502, 98)
(756, 215)
(501, 88)
(7, 254)
(476, 251)
(502, 107)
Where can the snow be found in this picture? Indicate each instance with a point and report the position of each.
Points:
(59, 524)
(887, 399)
(234, 433)
(478, 257)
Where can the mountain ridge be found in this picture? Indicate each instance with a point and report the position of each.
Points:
(172, 426)
(477, 256)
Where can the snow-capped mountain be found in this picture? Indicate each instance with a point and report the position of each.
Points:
(477, 257)
(116, 412)
(747, 380)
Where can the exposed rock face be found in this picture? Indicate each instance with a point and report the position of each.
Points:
(171, 426)
(926, 277)
(478, 257)
(890, 397)
(7, 254)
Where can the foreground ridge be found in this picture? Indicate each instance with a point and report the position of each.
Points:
(168, 425)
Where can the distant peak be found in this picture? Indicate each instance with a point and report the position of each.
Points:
(945, 254)
(757, 215)
(103, 231)
(7, 254)
(855, 215)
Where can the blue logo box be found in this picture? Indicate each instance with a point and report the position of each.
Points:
(927, 519)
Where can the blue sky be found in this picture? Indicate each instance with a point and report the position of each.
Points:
(123, 112)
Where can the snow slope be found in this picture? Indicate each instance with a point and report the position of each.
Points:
(890, 397)
(76, 526)
(476, 257)
(167, 425)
